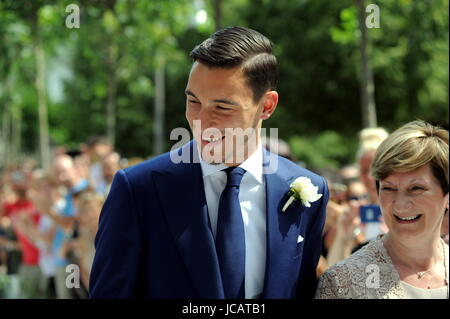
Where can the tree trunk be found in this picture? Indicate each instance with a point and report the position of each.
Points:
(160, 105)
(5, 136)
(367, 87)
(218, 13)
(16, 133)
(44, 140)
(112, 93)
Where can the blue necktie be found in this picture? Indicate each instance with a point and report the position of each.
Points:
(230, 237)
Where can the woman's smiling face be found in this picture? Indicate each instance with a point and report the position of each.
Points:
(413, 203)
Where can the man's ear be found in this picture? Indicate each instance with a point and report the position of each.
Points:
(269, 103)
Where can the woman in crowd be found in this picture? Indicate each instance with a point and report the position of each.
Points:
(44, 193)
(89, 205)
(411, 261)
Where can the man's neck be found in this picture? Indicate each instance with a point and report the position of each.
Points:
(251, 147)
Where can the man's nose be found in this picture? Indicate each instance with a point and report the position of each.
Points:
(206, 119)
(203, 115)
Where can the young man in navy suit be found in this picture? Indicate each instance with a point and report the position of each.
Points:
(215, 224)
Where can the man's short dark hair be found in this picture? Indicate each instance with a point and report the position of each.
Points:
(96, 139)
(237, 46)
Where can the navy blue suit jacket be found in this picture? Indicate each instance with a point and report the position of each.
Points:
(155, 241)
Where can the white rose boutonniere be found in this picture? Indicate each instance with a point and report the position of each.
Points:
(303, 189)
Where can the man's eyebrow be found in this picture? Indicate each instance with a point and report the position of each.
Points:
(187, 92)
(224, 101)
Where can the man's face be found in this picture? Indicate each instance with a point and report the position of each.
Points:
(100, 150)
(19, 183)
(220, 98)
(365, 175)
(110, 165)
(64, 171)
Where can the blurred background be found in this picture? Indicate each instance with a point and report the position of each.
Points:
(91, 86)
(122, 73)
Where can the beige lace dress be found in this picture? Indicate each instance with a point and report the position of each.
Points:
(367, 274)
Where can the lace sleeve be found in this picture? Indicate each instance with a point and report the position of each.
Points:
(326, 289)
(366, 274)
(335, 283)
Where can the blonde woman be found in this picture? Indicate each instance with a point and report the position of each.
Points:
(89, 205)
(411, 261)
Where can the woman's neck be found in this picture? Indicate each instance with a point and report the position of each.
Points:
(417, 255)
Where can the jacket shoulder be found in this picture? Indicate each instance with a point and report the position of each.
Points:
(367, 273)
(293, 170)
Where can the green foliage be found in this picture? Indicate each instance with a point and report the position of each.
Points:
(317, 43)
(348, 30)
(121, 43)
(325, 150)
(4, 282)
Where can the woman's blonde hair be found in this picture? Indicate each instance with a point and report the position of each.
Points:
(40, 177)
(411, 146)
(88, 197)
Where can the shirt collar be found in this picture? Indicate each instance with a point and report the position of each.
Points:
(253, 165)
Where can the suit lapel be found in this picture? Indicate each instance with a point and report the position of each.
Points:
(187, 217)
(183, 198)
(282, 233)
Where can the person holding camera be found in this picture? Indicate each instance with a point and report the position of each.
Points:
(357, 219)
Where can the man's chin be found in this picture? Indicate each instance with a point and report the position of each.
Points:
(211, 155)
(213, 163)
(217, 155)
(211, 159)
(228, 161)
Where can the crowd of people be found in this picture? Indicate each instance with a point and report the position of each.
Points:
(352, 188)
(48, 220)
(230, 236)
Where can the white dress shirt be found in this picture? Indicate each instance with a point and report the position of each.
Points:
(252, 198)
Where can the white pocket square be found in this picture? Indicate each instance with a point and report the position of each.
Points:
(299, 239)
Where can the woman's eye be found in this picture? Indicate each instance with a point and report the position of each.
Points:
(417, 188)
(386, 188)
(192, 101)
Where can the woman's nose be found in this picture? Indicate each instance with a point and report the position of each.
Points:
(402, 203)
